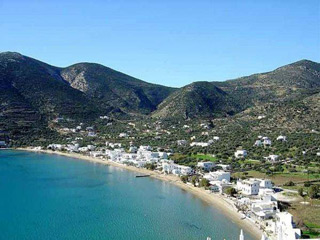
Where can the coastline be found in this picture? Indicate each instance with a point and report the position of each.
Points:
(217, 201)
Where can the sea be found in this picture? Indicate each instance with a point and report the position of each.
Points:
(46, 196)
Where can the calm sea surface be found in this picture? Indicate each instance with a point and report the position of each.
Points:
(46, 196)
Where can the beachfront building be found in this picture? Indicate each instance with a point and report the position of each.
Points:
(170, 167)
(3, 144)
(286, 228)
(241, 153)
(219, 186)
(133, 149)
(207, 166)
(264, 209)
(255, 186)
(218, 176)
(145, 148)
(54, 146)
(248, 186)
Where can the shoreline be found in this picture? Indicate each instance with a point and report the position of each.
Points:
(214, 200)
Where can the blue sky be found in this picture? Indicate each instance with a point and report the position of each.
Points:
(169, 42)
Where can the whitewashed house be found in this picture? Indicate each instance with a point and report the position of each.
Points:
(225, 167)
(248, 186)
(265, 208)
(272, 158)
(123, 135)
(218, 176)
(200, 144)
(182, 142)
(176, 169)
(207, 166)
(267, 142)
(282, 138)
(133, 149)
(219, 186)
(145, 148)
(91, 147)
(286, 228)
(258, 143)
(241, 153)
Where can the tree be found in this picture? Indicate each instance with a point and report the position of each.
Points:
(184, 178)
(313, 191)
(194, 180)
(230, 191)
(300, 191)
(289, 184)
(204, 183)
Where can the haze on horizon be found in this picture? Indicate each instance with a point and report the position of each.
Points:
(166, 42)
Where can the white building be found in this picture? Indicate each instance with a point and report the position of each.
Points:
(3, 144)
(218, 176)
(133, 149)
(265, 183)
(225, 166)
(255, 186)
(285, 227)
(267, 142)
(272, 158)
(248, 187)
(145, 148)
(264, 209)
(282, 138)
(182, 142)
(123, 135)
(241, 153)
(219, 186)
(258, 143)
(200, 144)
(91, 147)
(176, 169)
(206, 165)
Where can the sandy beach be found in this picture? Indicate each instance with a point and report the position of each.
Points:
(216, 200)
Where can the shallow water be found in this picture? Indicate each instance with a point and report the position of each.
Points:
(45, 196)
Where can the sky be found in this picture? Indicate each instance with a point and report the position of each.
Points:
(168, 42)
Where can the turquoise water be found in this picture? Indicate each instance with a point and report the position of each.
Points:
(46, 196)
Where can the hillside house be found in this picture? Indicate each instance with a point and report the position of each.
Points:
(241, 153)
(207, 166)
(272, 158)
(282, 138)
(218, 176)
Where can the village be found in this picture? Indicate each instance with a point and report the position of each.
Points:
(202, 157)
(254, 198)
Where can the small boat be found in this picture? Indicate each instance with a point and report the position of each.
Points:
(143, 175)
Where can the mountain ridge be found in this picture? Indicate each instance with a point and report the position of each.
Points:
(33, 92)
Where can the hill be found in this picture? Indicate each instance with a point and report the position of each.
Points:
(114, 89)
(201, 100)
(33, 93)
